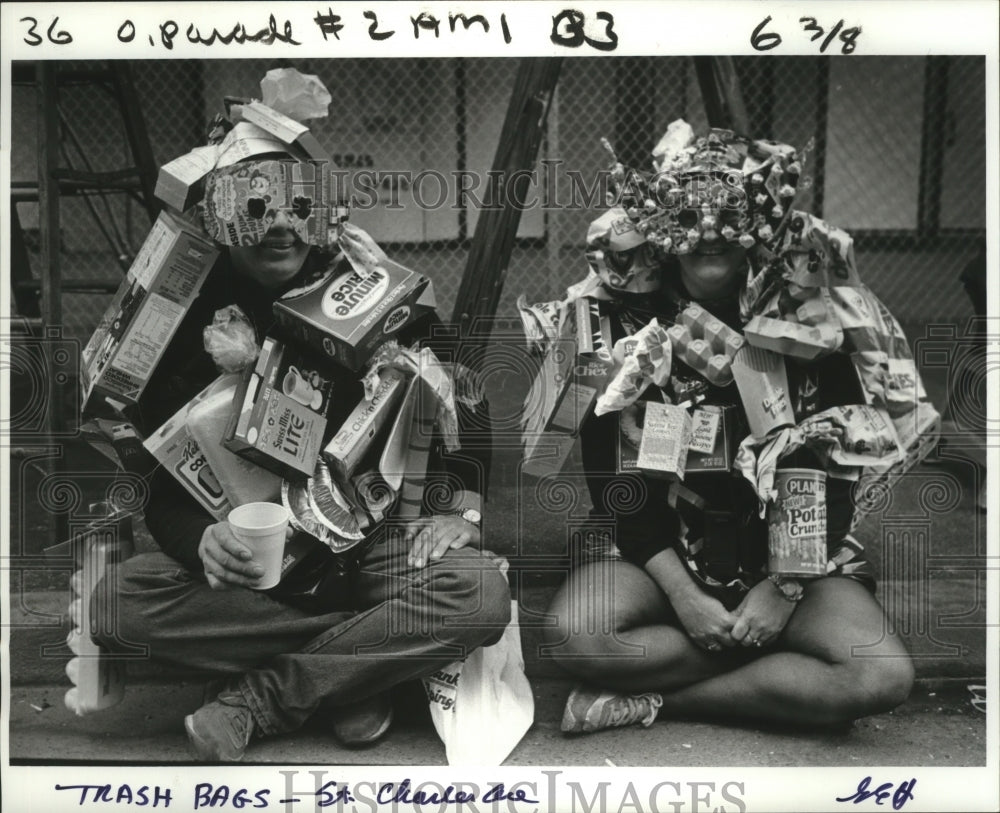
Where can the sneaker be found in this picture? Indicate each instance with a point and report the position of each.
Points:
(221, 730)
(363, 723)
(588, 710)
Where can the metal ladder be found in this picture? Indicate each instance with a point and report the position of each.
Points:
(64, 170)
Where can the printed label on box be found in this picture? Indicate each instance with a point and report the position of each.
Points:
(147, 335)
(704, 427)
(666, 433)
(146, 310)
(352, 441)
(350, 314)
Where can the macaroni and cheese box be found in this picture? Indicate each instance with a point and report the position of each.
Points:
(353, 312)
(281, 404)
(131, 337)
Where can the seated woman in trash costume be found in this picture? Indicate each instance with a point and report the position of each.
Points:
(678, 603)
(332, 642)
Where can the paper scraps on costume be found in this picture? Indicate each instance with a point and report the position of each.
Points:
(818, 254)
(846, 439)
(363, 253)
(541, 321)
(800, 324)
(647, 361)
(438, 377)
(428, 411)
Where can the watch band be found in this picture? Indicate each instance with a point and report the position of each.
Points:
(790, 589)
(470, 515)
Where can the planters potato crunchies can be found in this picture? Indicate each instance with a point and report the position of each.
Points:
(796, 522)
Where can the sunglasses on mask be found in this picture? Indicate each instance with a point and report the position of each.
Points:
(242, 202)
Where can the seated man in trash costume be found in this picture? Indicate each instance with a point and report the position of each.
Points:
(369, 607)
(737, 389)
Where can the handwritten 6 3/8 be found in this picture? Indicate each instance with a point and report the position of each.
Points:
(763, 40)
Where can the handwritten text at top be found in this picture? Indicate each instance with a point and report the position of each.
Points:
(569, 28)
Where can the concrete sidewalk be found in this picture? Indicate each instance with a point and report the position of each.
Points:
(937, 726)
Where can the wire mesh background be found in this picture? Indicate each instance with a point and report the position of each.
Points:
(897, 157)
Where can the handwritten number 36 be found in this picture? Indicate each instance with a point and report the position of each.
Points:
(34, 38)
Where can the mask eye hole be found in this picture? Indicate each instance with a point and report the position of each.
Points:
(729, 217)
(688, 218)
(620, 261)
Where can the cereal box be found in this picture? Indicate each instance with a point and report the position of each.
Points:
(163, 281)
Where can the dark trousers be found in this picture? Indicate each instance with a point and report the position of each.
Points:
(405, 624)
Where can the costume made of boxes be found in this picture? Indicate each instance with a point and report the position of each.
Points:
(327, 395)
(693, 416)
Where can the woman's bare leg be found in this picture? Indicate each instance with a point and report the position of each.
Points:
(835, 661)
(616, 630)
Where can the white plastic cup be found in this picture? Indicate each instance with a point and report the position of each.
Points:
(261, 527)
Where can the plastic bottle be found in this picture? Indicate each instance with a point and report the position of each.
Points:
(99, 680)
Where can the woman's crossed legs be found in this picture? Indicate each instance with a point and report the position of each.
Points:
(836, 660)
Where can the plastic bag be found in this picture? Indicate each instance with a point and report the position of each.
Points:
(230, 340)
(483, 706)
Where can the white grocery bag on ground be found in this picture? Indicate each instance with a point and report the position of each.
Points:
(483, 706)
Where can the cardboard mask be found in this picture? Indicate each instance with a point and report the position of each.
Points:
(242, 201)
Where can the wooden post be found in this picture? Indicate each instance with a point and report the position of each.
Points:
(720, 90)
(50, 270)
(493, 241)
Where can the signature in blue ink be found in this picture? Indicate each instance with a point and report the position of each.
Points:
(900, 796)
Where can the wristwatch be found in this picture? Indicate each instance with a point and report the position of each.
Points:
(790, 589)
(470, 515)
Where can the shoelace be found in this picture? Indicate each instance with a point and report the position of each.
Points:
(629, 709)
(239, 723)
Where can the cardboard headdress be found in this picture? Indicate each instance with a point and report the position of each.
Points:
(240, 196)
(740, 188)
(620, 255)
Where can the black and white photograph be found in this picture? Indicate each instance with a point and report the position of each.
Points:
(500, 406)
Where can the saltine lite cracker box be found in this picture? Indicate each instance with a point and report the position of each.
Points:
(355, 311)
(131, 337)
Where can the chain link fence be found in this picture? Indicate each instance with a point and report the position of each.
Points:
(896, 157)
